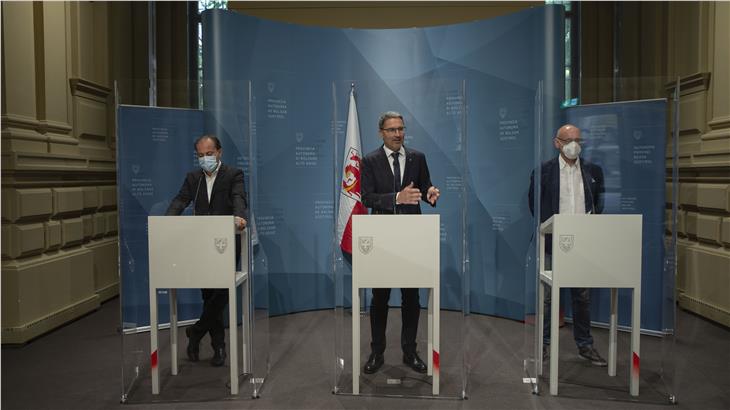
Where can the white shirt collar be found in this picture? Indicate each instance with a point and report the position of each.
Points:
(563, 163)
(389, 152)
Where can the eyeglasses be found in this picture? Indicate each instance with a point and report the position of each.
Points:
(394, 130)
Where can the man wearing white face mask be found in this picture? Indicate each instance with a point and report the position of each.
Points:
(570, 185)
(215, 189)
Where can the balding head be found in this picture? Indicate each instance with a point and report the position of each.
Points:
(566, 134)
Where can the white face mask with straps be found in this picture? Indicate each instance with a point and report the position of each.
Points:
(571, 150)
(209, 163)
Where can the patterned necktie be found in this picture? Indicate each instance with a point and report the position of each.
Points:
(396, 171)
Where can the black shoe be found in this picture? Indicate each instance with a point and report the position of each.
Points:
(375, 361)
(193, 345)
(219, 357)
(590, 354)
(415, 362)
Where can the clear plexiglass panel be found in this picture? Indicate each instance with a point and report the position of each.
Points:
(146, 188)
(627, 170)
(434, 113)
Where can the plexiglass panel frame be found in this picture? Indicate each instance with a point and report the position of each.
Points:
(436, 125)
(165, 135)
(635, 143)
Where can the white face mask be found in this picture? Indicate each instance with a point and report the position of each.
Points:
(571, 150)
(209, 163)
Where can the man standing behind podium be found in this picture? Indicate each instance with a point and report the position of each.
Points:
(569, 185)
(215, 189)
(394, 180)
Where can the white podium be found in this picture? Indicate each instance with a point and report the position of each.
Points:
(592, 251)
(197, 252)
(396, 251)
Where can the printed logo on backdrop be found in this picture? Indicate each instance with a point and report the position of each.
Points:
(509, 129)
(270, 86)
(135, 168)
(351, 180)
(365, 244)
(637, 134)
(306, 156)
(566, 242)
(454, 104)
(220, 244)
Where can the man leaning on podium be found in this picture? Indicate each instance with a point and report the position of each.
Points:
(215, 189)
(570, 185)
(394, 180)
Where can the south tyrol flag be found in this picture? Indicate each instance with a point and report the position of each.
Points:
(350, 200)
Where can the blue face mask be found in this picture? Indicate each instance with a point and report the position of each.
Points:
(209, 163)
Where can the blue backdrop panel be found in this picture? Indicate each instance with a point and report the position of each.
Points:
(286, 86)
(155, 151)
(628, 141)
(299, 77)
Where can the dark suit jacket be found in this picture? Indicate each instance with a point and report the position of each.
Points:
(228, 196)
(378, 191)
(593, 189)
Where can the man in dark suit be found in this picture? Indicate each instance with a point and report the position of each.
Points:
(215, 189)
(570, 185)
(394, 180)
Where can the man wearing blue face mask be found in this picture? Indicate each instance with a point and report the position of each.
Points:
(214, 189)
(570, 185)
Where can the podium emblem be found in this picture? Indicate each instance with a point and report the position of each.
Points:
(365, 243)
(566, 243)
(220, 244)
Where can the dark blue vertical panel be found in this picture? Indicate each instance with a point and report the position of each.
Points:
(628, 140)
(155, 151)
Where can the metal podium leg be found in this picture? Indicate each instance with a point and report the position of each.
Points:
(554, 337)
(430, 332)
(154, 371)
(541, 303)
(233, 336)
(635, 340)
(539, 324)
(355, 339)
(612, 329)
(435, 335)
(246, 326)
(173, 329)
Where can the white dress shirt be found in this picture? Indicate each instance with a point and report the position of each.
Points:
(401, 160)
(210, 180)
(572, 199)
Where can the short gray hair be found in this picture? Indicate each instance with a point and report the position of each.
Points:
(386, 116)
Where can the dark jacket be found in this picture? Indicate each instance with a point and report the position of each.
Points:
(378, 190)
(593, 188)
(228, 196)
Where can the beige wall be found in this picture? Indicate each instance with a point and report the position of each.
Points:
(59, 207)
(699, 54)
